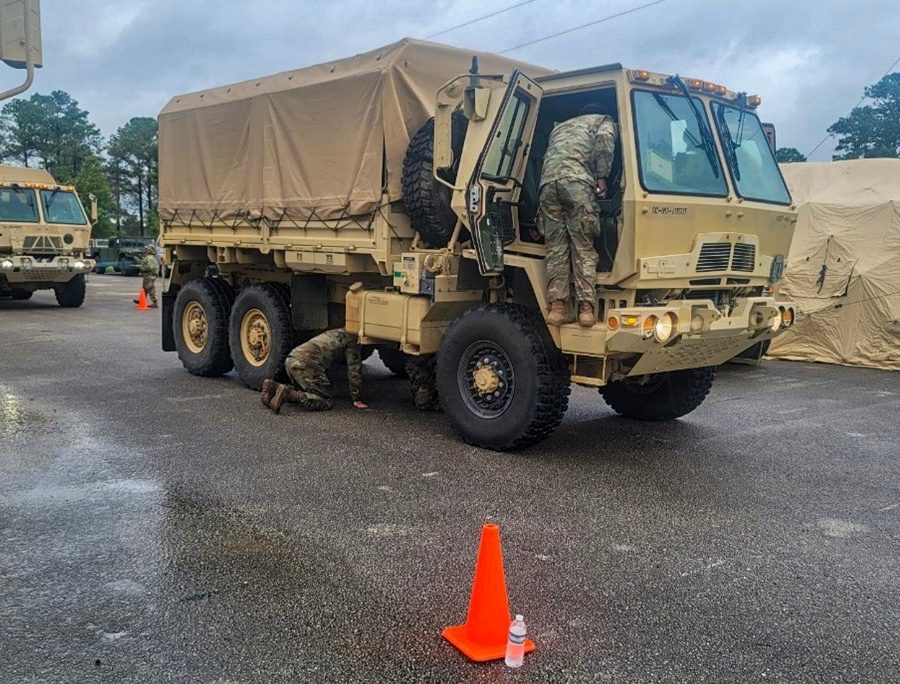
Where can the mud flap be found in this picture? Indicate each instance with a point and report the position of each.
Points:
(168, 311)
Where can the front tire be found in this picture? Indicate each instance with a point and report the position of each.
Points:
(261, 334)
(20, 294)
(71, 295)
(665, 396)
(502, 382)
(200, 325)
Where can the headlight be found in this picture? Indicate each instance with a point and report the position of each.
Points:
(665, 327)
(777, 320)
(787, 317)
(78, 265)
(7, 264)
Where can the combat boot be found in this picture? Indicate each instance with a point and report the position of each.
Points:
(586, 318)
(154, 305)
(279, 397)
(558, 315)
(268, 390)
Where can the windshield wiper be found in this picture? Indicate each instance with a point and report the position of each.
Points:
(52, 197)
(708, 143)
(730, 146)
(672, 115)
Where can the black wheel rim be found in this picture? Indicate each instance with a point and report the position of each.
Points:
(486, 379)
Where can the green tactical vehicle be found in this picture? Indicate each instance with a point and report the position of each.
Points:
(395, 193)
(123, 253)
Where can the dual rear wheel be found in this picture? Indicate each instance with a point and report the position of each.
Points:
(216, 331)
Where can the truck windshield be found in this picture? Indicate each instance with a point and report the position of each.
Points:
(62, 207)
(17, 204)
(673, 155)
(753, 168)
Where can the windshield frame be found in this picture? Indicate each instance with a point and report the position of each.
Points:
(637, 143)
(45, 208)
(725, 137)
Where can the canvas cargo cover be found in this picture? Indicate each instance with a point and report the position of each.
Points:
(844, 264)
(316, 142)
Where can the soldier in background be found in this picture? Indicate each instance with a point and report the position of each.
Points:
(149, 270)
(423, 382)
(307, 367)
(576, 164)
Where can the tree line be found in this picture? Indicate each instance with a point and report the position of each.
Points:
(868, 131)
(52, 132)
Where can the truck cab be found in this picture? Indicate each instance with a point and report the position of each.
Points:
(44, 234)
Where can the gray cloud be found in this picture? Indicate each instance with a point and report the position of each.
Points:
(808, 59)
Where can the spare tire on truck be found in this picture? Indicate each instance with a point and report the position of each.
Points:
(427, 201)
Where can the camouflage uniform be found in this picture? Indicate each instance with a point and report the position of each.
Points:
(579, 154)
(307, 364)
(149, 270)
(423, 382)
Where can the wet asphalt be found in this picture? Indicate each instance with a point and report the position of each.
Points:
(158, 527)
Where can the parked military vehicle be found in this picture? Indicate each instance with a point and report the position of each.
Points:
(394, 193)
(44, 235)
(124, 253)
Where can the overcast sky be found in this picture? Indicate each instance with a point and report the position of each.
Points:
(808, 59)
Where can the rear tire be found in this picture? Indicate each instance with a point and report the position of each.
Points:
(427, 201)
(501, 380)
(200, 325)
(71, 295)
(261, 334)
(666, 396)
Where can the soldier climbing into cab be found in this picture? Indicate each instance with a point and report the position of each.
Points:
(577, 162)
(307, 367)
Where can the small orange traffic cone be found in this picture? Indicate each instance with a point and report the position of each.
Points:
(142, 301)
(483, 636)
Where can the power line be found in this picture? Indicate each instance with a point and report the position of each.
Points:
(477, 19)
(831, 135)
(578, 28)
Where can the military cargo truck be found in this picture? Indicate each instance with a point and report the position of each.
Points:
(44, 236)
(395, 193)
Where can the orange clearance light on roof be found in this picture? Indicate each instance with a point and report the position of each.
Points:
(721, 90)
(754, 100)
(709, 87)
(695, 83)
(642, 75)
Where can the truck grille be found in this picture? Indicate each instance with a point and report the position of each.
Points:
(42, 244)
(714, 257)
(718, 256)
(744, 257)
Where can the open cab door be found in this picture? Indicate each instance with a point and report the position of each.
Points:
(492, 164)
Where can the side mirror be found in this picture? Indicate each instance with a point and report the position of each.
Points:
(93, 198)
(20, 39)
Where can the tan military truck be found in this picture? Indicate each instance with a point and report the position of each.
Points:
(44, 237)
(395, 193)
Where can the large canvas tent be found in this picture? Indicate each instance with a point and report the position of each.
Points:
(322, 141)
(844, 264)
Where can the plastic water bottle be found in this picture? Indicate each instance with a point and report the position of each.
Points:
(515, 644)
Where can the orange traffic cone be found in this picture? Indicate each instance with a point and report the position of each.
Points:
(142, 301)
(483, 637)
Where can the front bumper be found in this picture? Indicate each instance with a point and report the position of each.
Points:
(58, 269)
(701, 334)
